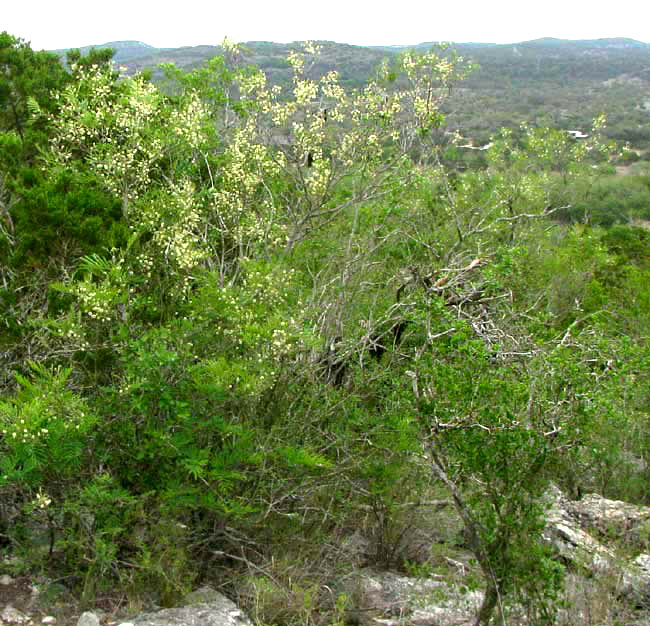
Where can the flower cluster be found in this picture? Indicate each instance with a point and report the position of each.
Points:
(42, 500)
(97, 301)
(38, 421)
(273, 172)
(177, 235)
(113, 128)
(189, 122)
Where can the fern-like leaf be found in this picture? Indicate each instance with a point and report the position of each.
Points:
(95, 265)
(34, 108)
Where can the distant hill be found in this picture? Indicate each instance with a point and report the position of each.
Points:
(541, 59)
(558, 60)
(355, 63)
(551, 81)
(125, 51)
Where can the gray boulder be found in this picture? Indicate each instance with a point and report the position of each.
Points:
(573, 544)
(635, 580)
(608, 517)
(88, 619)
(10, 615)
(388, 599)
(572, 528)
(206, 607)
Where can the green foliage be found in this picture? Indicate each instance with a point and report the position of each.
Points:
(63, 214)
(25, 75)
(613, 200)
(101, 57)
(262, 319)
(44, 433)
(629, 244)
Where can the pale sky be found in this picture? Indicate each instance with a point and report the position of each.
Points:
(54, 24)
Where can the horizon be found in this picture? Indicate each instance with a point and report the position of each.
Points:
(385, 45)
(164, 24)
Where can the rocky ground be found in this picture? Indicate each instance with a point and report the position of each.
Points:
(29, 601)
(605, 545)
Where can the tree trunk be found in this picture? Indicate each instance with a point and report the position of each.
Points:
(487, 607)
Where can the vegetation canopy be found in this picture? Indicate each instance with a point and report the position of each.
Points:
(239, 321)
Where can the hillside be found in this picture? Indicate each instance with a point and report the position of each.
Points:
(560, 82)
(546, 58)
(126, 52)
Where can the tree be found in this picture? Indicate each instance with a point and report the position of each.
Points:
(27, 79)
(25, 74)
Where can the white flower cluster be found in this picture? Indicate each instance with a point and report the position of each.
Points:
(42, 500)
(254, 316)
(255, 82)
(38, 422)
(97, 301)
(145, 261)
(296, 61)
(243, 212)
(305, 92)
(176, 237)
(229, 46)
(112, 128)
(189, 122)
(74, 333)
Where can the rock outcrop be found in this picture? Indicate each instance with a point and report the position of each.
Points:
(205, 607)
(88, 619)
(596, 538)
(613, 518)
(388, 599)
(586, 535)
(10, 615)
(578, 531)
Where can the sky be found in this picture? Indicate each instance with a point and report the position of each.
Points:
(164, 24)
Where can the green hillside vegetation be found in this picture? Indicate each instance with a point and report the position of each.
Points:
(546, 82)
(239, 323)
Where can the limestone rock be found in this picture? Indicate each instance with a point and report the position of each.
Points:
(88, 619)
(5, 579)
(201, 596)
(211, 609)
(570, 541)
(579, 548)
(612, 516)
(388, 599)
(386, 591)
(10, 615)
(636, 580)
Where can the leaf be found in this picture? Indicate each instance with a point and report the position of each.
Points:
(33, 107)
(95, 265)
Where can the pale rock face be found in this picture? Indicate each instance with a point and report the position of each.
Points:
(10, 615)
(207, 608)
(88, 619)
(580, 548)
(636, 580)
(611, 515)
(388, 599)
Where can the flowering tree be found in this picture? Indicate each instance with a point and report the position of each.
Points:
(334, 150)
(141, 150)
(278, 167)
